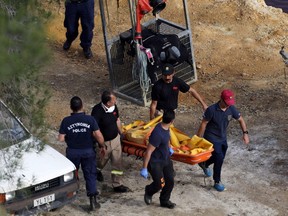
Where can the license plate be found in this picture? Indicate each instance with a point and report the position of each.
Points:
(44, 200)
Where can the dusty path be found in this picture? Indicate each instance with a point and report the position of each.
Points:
(236, 46)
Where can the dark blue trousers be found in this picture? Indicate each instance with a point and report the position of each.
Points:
(217, 158)
(163, 178)
(83, 11)
(87, 159)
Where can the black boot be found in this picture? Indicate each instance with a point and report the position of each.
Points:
(93, 203)
(88, 53)
(100, 176)
(67, 45)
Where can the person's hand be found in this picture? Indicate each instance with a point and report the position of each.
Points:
(171, 151)
(122, 136)
(246, 139)
(144, 173)
(102, 151)
(205, 107)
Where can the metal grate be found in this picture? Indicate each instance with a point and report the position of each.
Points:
(122, 63)
(23, 193)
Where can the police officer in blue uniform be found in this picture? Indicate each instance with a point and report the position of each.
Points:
(159, 164)
(79, 131)
(83, 10)
(213, 127)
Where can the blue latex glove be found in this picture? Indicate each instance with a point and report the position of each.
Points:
(171, 151)
(144, 173)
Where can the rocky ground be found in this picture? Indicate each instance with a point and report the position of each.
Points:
(236, 45)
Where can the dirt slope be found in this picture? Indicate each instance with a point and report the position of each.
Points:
(236, 45)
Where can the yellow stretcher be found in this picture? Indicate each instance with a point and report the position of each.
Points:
(187, 150)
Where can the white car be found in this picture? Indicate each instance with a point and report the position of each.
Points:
(33, 177)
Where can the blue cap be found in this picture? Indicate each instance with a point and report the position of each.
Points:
(167, 69)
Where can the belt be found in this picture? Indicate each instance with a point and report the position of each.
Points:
(77, 1)
(161, 111)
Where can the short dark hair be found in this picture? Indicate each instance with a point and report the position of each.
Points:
(168, 116)
(106, 96)
(76, 104)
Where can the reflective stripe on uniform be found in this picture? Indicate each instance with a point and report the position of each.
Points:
(117, 172)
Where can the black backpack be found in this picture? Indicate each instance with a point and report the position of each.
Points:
(165, 48)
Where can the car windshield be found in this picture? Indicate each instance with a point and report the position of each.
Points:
(11, 130)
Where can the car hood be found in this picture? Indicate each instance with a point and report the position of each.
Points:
(23, 165)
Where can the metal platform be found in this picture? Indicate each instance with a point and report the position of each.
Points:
(120, 63)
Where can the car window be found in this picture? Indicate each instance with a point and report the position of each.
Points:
(11, 130)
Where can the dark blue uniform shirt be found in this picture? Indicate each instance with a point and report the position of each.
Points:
(78, 129)
(159, 138)
(216, 129)
(166, 94)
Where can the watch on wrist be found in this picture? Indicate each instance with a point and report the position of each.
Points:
(245, 132)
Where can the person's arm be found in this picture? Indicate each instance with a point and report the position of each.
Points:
(120, 131)
(202, 128)
(244, 130)
(147, 156)
(153, 106)
(198, 97)
(99, 137)
(61, 137)
(119, 126)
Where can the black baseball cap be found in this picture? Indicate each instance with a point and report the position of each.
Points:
(167, 69)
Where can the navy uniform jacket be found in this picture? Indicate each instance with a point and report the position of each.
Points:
(216, 129)
(159, 138)
(78, 129)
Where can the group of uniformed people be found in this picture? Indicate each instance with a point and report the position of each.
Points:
(80, 131)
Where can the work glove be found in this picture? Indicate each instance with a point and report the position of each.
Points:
(144, 173)
(171, 151)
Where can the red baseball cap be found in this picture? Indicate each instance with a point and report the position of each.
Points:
(228, 96)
